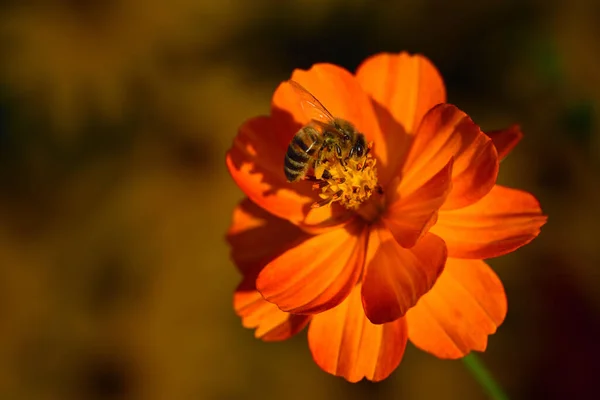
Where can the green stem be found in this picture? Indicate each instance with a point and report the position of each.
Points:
(483, 377)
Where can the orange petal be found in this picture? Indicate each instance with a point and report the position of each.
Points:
(255, 162)
(395, 278)
(256, 237)
(466, 304)
(270, 322)
(505, 140)
(345, 343)
(318, 274)
(408, 86)
(413, 210)
(447, 132)
(501, 222)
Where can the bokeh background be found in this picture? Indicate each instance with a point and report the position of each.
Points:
(115, 279)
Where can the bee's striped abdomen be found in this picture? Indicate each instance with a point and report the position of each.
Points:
(299, 153)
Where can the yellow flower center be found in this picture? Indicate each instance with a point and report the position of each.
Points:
(349, 183)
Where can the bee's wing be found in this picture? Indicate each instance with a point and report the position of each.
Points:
(312, 108)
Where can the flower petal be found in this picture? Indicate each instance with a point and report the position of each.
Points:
(466, 304)
(505, 140)
(345, 343)
(270, 322)
(317, 274)
(501, 222)
(395, 278)
(447, 132)
(408, 86)
(255, 162)
(256, 237)
(413, 210)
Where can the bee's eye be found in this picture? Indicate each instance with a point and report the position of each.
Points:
(359, 150)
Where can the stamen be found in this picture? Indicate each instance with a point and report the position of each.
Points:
(319, 185)
(350, 181)
(320, 203)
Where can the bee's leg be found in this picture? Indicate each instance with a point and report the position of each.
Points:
(310, 178)
(318, 158)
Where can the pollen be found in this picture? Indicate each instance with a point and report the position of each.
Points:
(350, 183)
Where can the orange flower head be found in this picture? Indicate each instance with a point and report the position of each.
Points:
(371, 205)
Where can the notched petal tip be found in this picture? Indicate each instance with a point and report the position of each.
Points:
(501, 222)
(343, 342)
(506, 139)
(465, 306)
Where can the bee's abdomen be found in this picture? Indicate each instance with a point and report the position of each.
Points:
(295, 164)
(298, 155)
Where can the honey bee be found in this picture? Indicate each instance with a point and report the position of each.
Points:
(324, 138)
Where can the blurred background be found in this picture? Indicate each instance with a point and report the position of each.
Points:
(115, 116)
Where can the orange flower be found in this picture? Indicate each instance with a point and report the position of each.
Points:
(407, 264)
